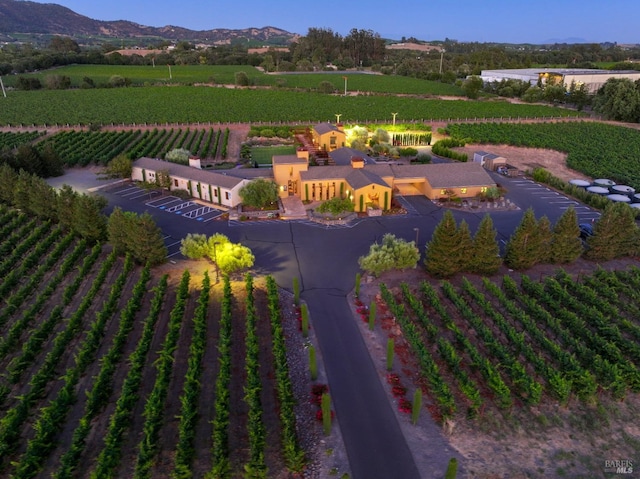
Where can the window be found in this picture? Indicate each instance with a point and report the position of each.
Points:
(483, 189)
(175, 182)
(332, 141)
(215, 193)
(443, 192)
(227, 195)
(463, 191)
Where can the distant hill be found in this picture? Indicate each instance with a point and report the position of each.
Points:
(24, 17)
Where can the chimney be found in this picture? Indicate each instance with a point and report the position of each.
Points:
(194, 162)
(357, 162)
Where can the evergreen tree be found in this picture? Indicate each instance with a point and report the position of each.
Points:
(524, 247)
(138, 235)
(65, 206)
(52, 162)
(8, 178)
(545, 237)
(615, 234)
(485, 258)
(146, 241)
(88, 220)
(42, 200)
(441, 254)
(117, 230)
(566, 245)
(465, 247)
(22, 191)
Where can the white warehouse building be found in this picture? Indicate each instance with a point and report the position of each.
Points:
(592, 78)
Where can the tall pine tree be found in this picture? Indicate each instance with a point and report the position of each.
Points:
(524, 247)
(485, 258)
(442, 254)
(615, 234)
(566, 245)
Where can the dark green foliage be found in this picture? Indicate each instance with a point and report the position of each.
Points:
(596, 149)
(566, 245)
(259, 193)
(545, 237)
(619, 99)
(336, 206)
(313, 363)
(392, 253)
(615, 234)
(444, 254)
(452, 469)
(326, 413)
(296, 291)
(138, 235)
(524, 248)
(304, 313)
(485, 258)
(443, 148)
(390, 353)
(372, 316)
(416, 405)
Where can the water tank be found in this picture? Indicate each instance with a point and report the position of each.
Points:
(598, 190)
(619, 198)
(623, 190)
(580, 183)
(604, 182)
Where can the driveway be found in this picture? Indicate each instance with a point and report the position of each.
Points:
(325, 261)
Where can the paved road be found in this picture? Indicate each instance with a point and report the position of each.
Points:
(326, 263)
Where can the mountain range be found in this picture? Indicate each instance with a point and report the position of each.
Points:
(24, 17)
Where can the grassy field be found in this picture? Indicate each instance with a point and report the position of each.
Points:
(183, 104)
(262, 154)
(225, 75)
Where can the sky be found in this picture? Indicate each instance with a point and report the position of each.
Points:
(509, 21)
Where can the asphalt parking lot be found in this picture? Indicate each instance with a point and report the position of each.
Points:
(545, 201)
(168, 204)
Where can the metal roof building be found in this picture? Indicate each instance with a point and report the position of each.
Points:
(592, 78)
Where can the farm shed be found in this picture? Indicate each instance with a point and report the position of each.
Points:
(490, 161)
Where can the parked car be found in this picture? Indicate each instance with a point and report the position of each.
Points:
(586, 230)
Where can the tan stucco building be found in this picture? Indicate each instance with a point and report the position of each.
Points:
(374, 184)
(214, 187)
(328, 137)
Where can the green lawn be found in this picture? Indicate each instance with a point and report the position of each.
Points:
(225, 75)
(262, 154)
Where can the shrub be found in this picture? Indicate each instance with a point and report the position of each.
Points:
(409, 151)
(392, 253)
(336, 206)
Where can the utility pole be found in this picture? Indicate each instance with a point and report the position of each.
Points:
(345, 86)
(394, 118)
(170, 76)
(338, 115)
(441, 58)
(4, 92)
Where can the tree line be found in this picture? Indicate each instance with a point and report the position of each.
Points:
(452, 249)
(83, 214)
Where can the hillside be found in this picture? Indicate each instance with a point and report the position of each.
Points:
(24, 17)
